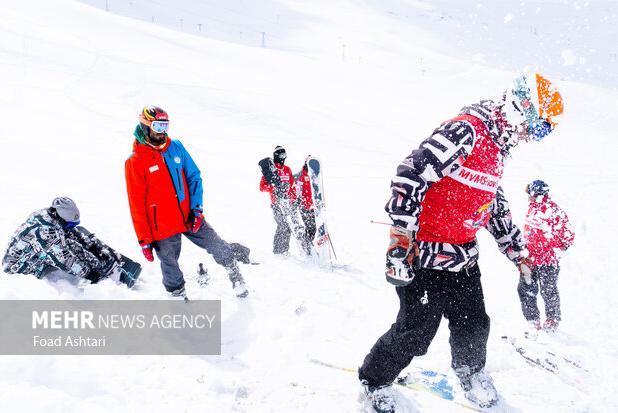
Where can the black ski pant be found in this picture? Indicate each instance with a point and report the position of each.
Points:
(547, 277)
(458, 296)
(168, 252)
(308, 218)
(281, 243)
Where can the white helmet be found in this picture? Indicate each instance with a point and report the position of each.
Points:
(534, 103)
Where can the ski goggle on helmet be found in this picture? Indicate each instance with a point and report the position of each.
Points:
(533, 102)
(155, 118)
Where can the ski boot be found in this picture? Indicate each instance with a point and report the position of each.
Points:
(479, 389)
(532, 330)
(179, 294)
(238, 283)
(381, 397)
(550, 325)
(239, 289)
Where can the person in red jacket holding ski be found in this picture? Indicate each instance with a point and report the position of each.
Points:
(547, 234)
(164, 187)
(281, 242)
(306, 206)
(443, 193)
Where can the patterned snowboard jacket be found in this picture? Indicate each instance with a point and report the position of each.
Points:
(41, 245)
(547, 229)
(444, 154)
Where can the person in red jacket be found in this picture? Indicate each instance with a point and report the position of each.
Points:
(281, 242)
(307, 209)
(443, 193)
(547, 233)
(164, 187)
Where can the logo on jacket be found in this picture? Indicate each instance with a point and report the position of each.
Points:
(476, 179)
(177, 159)
(153, 168)
(479, 218)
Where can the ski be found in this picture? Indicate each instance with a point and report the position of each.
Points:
(417, 379)
(568, 370)
(322, 242)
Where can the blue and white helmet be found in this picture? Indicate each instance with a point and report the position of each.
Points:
(537, 188)
(533, 104)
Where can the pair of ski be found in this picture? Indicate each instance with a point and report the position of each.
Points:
(418, 380)
(322, 244)
(566, 368)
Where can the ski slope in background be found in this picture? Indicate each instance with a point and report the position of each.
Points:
(73, 79)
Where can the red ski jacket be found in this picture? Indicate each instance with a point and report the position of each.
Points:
(285, 173)
(163, 186)
(306, 200)
(458, 205)
(547, 229)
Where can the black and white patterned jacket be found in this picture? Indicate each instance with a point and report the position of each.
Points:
(40, 245)
(438, 156)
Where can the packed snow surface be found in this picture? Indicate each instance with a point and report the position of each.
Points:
(357, 84)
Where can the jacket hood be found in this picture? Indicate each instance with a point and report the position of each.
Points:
(139, 135)
(140, 139)
(489, 113)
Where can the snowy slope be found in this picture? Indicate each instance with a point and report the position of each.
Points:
(73, 79)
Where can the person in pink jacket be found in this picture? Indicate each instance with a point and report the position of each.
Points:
(547, 235)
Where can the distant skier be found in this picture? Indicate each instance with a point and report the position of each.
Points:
(443, 193)
(546, 231)
(307, 208)
(165, 193)
(51, 241)
(281, 200)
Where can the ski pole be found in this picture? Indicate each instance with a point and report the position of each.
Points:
(381, 223)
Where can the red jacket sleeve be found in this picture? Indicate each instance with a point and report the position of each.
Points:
(136, 191)
(264, 187)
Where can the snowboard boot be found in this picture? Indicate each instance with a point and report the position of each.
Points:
(381, 397)
(479, 388)
(238, 283)
(550, 325)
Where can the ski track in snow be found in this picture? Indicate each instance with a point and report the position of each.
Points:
(73, 79)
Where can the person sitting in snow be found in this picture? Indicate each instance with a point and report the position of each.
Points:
(50, 240)
(547, 234)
